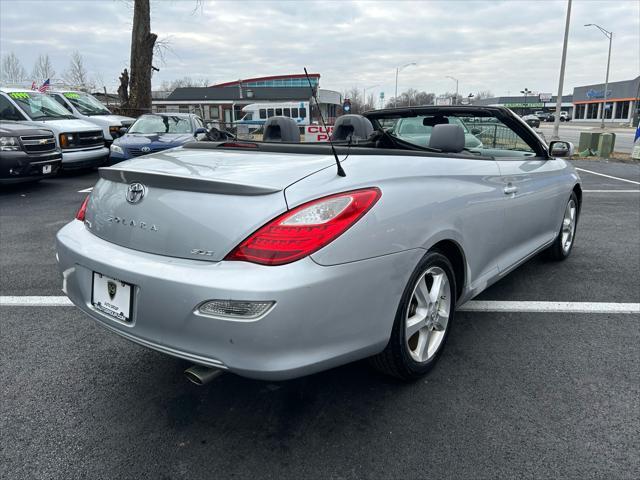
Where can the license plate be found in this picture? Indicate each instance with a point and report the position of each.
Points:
(46, 169)
(112, 297)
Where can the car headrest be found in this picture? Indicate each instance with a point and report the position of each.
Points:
(281, 129)
(351, 128)
(433, 121)
(448, 138)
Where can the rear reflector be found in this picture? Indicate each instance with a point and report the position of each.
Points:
(235, 309)
(83, 209)
(305, 229)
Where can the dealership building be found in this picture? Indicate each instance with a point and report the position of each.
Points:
(224, 102)
(621, 101)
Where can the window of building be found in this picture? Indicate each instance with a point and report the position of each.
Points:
(294, 113)
(592, 110)
(269, 112)
(183, 109)
(214, 112)
(161, 108)
(263, 113)
(303, 112)
(622, 110)
(579, 111)
(608, 110)
(287, 112)
(278, 112)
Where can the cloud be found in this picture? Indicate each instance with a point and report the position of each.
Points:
(502, 46)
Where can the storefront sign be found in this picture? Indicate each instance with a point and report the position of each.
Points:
(317, 133)
(545, 97)
(524, 105)
(593, 93)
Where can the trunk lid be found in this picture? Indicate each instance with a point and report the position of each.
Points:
(196, 204)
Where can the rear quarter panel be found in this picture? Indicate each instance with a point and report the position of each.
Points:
(424, 200)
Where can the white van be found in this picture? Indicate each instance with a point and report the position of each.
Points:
(87, 107)
(81, 142)
(258, 113)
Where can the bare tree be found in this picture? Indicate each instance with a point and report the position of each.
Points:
(142, 47)
(483, 94)
(76, 75)
(413, 98)
(169, 86)
(11, 70)
(43, 68)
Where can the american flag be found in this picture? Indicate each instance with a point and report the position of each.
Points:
(33, 86)
(44, 86)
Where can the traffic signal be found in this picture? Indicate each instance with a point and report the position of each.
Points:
(346, 106)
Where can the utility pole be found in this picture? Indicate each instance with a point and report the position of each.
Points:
(609, 35)
(398, 70)
(556, 117)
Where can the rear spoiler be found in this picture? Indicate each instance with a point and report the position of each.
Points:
(180, 182)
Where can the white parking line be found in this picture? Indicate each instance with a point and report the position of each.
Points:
(550, 307)
(608, 176)
(86, 190)
(611, 191)
(473, 306)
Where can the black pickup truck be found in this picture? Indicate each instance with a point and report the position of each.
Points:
(27, 153)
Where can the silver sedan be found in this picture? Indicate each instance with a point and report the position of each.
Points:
(259, 258)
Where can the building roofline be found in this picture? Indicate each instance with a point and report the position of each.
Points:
(262, 79)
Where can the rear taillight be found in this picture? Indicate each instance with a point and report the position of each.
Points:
(305, 229)
(83, 209)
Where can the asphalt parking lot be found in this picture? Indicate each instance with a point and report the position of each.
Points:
(515, 394)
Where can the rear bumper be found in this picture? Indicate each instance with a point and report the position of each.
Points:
(20, 167)
(84, 158)
(323, 317)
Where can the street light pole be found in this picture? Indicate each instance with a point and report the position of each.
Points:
(526, 92)
(556, 117)
(398, 70)
(455, 100)
(609, 35)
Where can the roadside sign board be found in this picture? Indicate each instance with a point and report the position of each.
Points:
(545, 97)
(317, 133)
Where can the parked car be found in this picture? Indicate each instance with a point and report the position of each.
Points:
(269, 261)
(542, 115)
(532, 120)
(81, 143)
(27, 154)
(564, 117)
(86, 107)
(156, 132)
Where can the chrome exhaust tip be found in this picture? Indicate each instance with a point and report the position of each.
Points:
(201, 375)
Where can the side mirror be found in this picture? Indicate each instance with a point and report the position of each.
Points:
(199, 131)
(559, 148)
(123, 130)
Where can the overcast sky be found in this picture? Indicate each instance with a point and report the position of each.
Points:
(501, 46)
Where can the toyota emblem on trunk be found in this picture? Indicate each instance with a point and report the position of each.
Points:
(135, 192)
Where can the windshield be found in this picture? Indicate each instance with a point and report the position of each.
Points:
(86, 104)
(161, 124)
(38, 106)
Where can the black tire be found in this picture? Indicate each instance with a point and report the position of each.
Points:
(395, 359)
(558, 251)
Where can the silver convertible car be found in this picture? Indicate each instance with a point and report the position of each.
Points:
(279, 259)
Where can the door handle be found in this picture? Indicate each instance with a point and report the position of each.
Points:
(509, 189)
